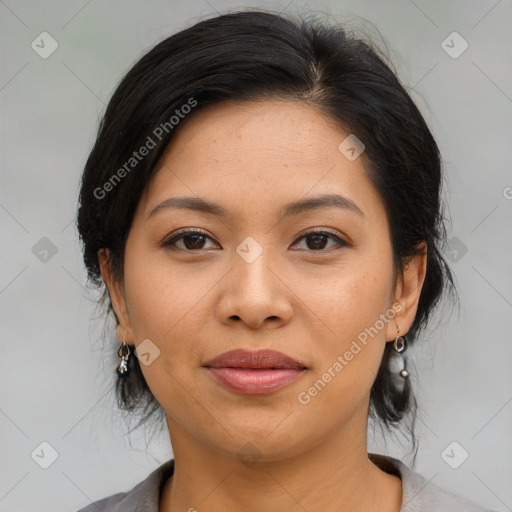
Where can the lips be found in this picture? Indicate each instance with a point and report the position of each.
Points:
(254, 373)
(269, 359)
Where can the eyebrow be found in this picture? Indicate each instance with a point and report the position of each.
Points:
(288, 210)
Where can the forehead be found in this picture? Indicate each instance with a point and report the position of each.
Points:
(259, 155)
(286, 130)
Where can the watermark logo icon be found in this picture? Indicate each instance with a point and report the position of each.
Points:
(147, 352)
(454, 455)
(44, 250)
(249, 249)
(351, 147)
(249, 454)
(44, 45)
(44, 455)
(456, 249)
(454, 45)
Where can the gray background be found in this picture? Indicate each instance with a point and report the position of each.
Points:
(56, 382)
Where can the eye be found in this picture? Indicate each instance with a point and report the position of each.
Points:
(316, 240)
(192, 240)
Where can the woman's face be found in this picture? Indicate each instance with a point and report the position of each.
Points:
(254, 279)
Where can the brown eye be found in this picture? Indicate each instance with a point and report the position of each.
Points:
(191, 241)
(317, 240)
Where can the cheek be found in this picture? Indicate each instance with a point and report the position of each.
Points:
(355, 313)
(354, 298)
(163, 305)
(348, 354)
(161, 309)
(158, 293)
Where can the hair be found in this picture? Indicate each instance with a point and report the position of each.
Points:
(259, 56)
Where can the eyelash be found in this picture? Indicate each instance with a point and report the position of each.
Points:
(178, 236)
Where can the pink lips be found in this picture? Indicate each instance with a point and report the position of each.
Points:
(254, 373)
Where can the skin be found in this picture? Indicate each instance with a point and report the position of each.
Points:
(308, 301)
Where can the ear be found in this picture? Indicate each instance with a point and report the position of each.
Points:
(407, 292)
(117, 296)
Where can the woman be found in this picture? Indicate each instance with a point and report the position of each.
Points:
(263, 206)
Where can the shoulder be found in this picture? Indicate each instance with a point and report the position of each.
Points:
(144, 497)
(421, 495)
(106, 503)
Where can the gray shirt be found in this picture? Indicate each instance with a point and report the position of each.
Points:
(419, 495)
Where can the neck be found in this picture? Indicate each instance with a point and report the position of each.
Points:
(334, 476)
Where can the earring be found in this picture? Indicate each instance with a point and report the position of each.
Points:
(400, 346)
(124, 353)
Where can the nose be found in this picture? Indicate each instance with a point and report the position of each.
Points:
(255, 294)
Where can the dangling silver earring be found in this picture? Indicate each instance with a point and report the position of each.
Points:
(400, 346)
(124, 353)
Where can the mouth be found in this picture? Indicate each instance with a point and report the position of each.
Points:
(254, 373)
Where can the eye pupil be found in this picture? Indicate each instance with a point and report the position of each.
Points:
(317, 238)
(196, 243)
